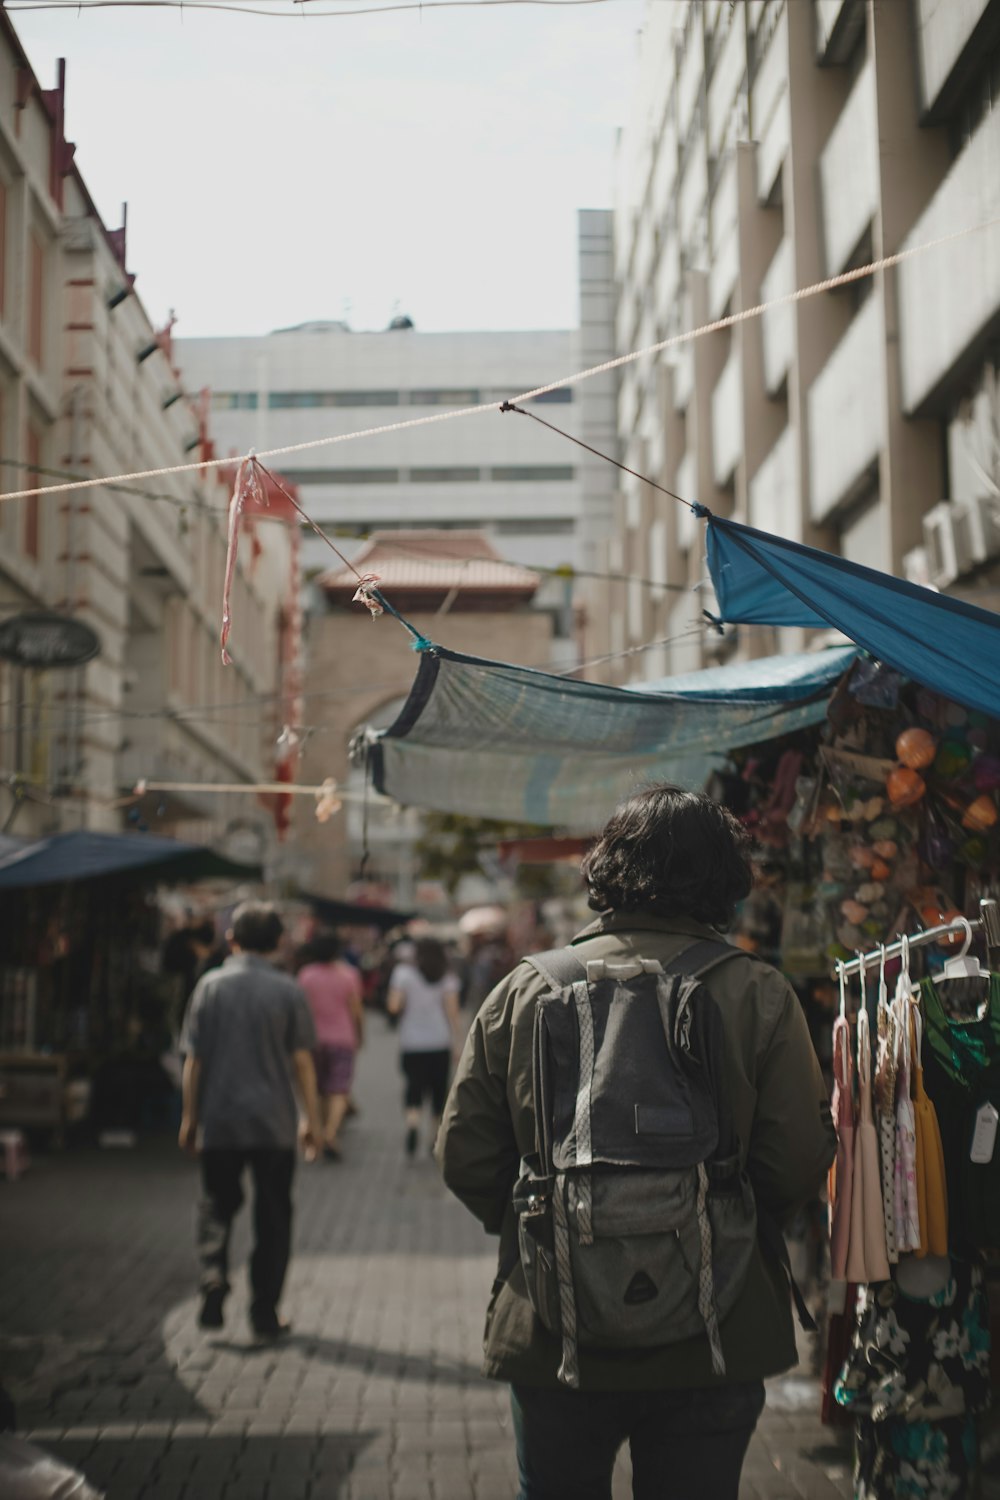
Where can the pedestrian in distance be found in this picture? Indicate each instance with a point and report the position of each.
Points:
(424, 996)
(636, 1116)
(333, 989)
(248, 1041)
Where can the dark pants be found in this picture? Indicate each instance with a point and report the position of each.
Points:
(426, 1073)
(686, 1445)
(221, 1199)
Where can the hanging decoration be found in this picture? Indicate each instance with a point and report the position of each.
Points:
(247, 488)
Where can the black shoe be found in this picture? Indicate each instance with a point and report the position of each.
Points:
(332, 1153)
(212, 1300)
(272, 1328)
(411, 1141)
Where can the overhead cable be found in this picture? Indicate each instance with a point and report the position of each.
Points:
(731, 320)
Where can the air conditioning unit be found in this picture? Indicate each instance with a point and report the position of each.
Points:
(977, 523)
(949, 550)
(916, 567)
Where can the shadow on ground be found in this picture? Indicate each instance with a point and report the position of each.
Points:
(288, 1468)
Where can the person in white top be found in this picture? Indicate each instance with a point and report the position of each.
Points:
(424, 995)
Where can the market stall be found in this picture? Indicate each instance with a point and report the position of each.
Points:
(80, 974)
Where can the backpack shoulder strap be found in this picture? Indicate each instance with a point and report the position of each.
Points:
(560, 966)
(701, 956)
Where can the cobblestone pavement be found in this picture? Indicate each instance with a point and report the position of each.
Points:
(376, 1396)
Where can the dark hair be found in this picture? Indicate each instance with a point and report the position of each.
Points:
(672, 853)
(324, 947)
(203, 932)
(257, 928)
(431, 959)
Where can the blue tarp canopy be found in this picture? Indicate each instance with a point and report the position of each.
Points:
(488, 739)
(89, 856)
(945, 644)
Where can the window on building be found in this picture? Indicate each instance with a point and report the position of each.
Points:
(31, 535)
(310, 400)
(560, 396)
(456, 475)
(234, 400)
(36, 298)
(542, 473)
(536, 526)
(444, 398)
(342, 476)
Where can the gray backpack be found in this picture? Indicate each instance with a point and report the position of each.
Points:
(636, 1222)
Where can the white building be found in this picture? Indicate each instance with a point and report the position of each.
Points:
(538, 497)
(773, 144)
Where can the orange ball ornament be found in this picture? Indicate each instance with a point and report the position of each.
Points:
(904, 786)
(915, 748)
(980, 815)
(880, 870)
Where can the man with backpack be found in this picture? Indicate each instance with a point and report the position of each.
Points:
(635, 1116)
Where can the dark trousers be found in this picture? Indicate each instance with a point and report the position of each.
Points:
(685, 1445)
(221, 1199)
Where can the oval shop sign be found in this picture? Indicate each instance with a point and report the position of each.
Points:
(42, 641)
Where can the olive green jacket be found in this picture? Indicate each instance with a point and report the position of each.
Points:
(780, 1110)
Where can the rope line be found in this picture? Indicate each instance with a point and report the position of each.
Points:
(309, 520)
(523, 412)
(281, 15)
(830, 283)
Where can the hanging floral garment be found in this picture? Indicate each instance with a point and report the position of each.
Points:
(885, 1104)
(907, 1208)
(842, 1170)
(917, 1374)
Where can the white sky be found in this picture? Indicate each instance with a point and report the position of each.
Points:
(278, 170)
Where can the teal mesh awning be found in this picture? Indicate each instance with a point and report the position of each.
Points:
(488, 739)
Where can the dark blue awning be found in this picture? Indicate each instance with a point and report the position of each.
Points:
(86, 855)
(943, 643)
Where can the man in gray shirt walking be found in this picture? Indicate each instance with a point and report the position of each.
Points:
(248, 1041)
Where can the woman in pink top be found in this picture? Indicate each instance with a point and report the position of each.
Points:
(333, 989)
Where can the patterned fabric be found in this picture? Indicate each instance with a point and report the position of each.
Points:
(961, 1060)
(917, 1374)
(842, 1171)
(885, 1099)
(569, 1370)
(906, 1206)
(706, 1279)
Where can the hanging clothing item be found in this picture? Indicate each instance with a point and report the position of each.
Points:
(906, 1205)
(917, 1374)
(867, 1260)
(932, 1187)
(961, 1062)
(885, 1109)
(842, 1171)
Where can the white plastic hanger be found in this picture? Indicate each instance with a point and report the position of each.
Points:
(904, 985)
(964, 965)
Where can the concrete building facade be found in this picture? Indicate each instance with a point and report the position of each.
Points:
(539, 499)
(773, 144)
(88, 387)
(453, 587)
